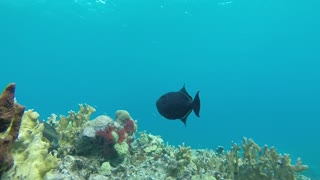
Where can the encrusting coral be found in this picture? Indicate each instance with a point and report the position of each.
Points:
(10, 121)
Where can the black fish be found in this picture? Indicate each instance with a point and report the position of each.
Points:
(178, 105)
(51, 134)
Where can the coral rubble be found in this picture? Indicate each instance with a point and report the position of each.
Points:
(10, 121)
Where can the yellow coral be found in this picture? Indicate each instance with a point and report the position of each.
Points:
(69, 126)
(122, 149)
(260, 163)
(30, 151)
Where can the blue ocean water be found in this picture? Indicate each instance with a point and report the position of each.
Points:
(256, 64)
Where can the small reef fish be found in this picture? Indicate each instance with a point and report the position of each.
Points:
(178, 105)
(51, 134)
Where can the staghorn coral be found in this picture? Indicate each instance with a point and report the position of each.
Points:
(10, 121)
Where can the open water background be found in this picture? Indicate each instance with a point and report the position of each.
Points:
(256, 63)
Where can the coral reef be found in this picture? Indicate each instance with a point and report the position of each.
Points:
(10, 121)
(104, 148)
(102, 135)
(31, 151)
(117, 136)
(86, 141)
(149, 158)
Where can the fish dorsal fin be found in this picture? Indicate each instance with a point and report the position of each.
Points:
(184, 118)
(184, 91)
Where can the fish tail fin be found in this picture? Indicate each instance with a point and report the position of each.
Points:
(196, 104)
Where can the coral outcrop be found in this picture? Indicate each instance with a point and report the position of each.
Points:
(117, 136)
(105, 141)
(69, 127)
(86, 143)
(102, 135)
(10, 121)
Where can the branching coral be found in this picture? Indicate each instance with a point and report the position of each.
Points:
(74, 119)
(68, 127)
(10, 121)
(180, 162)
(260, 163)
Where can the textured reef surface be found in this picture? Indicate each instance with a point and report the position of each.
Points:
(10, 122)
(77, 147)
